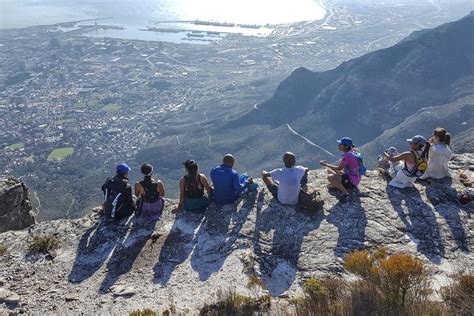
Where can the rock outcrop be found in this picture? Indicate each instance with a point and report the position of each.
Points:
(105, 267)
(15, 205)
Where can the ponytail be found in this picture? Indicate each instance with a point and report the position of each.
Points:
(425, 151)
(447, 139)
(443, 135)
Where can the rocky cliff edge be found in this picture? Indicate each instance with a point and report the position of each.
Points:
(182, 261)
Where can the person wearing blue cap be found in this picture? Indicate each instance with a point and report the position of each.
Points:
(345, 176)
(118, 198)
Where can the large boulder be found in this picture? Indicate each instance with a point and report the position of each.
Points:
(16, 211)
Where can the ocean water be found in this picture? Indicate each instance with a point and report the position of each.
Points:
(139, 14)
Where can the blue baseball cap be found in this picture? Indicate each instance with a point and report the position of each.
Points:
(123, 168)
(345, 141)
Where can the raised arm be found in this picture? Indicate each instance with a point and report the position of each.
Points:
(403, 156)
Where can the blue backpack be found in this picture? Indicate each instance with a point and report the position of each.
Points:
(362, 168)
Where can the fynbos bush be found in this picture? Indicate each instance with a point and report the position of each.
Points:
(43, 244)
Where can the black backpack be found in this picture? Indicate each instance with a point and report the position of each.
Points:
(112, 199)
(151, 191)
(310, 201)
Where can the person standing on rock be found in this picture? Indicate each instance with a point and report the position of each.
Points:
(118, 198)
(150, 195)
(439, 155)
(226, 180)
(414, 163)
(345, 176)
(285, 183)
(191, 189)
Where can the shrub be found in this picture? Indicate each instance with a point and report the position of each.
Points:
(3, 250)
(326, 296)
(403, 277)
(397, 279)
(255, 282)
(232, 303)
(43, 244)
(144, 312)
(459, 296)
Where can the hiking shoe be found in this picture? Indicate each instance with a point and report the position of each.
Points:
(344, 198)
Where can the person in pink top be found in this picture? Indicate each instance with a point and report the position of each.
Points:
(346, 175)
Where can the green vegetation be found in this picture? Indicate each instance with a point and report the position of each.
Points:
(60, 153)
(232, 303)
(43, 244)
(65, 121)
(144, 312)
(112, 107)
(93, 104)
(16, 146)
(3, 250)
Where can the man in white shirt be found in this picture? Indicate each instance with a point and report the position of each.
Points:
(285, 183)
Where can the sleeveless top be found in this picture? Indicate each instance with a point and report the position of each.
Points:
(151, 193)
(193, 188)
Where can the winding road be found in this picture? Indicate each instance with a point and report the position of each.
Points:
(310, 142)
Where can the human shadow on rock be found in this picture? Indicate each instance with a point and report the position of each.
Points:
(279, 235)
(351, 221)
(218, 233)
(419, 220)
(127, 250)
(95, 246)
(177, 246)
(442, 196)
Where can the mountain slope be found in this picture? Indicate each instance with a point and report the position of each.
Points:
(105, 267)
(369, 94)
(456, 117)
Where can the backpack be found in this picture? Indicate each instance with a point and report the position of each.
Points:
(310, 201)
(112, 200)
(421, 165)
(151, 191)
(362, 169)
(193, 187)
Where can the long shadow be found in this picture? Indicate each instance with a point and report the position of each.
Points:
(177, 246)
(279, 235)
(95, 246)
(351, 221)
(217, 236)
(126, 251)
(420, 222)
(449, 209)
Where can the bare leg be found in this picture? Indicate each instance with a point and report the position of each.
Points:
(336, 182)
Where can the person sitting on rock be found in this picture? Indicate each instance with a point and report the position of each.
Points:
(285, 183)
(118, 199)
(150, 195)
(191, 189)
(439, 155)
(413, 159)
(346, 175)
(226, 180)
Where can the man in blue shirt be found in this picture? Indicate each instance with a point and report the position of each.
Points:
(227, 186)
